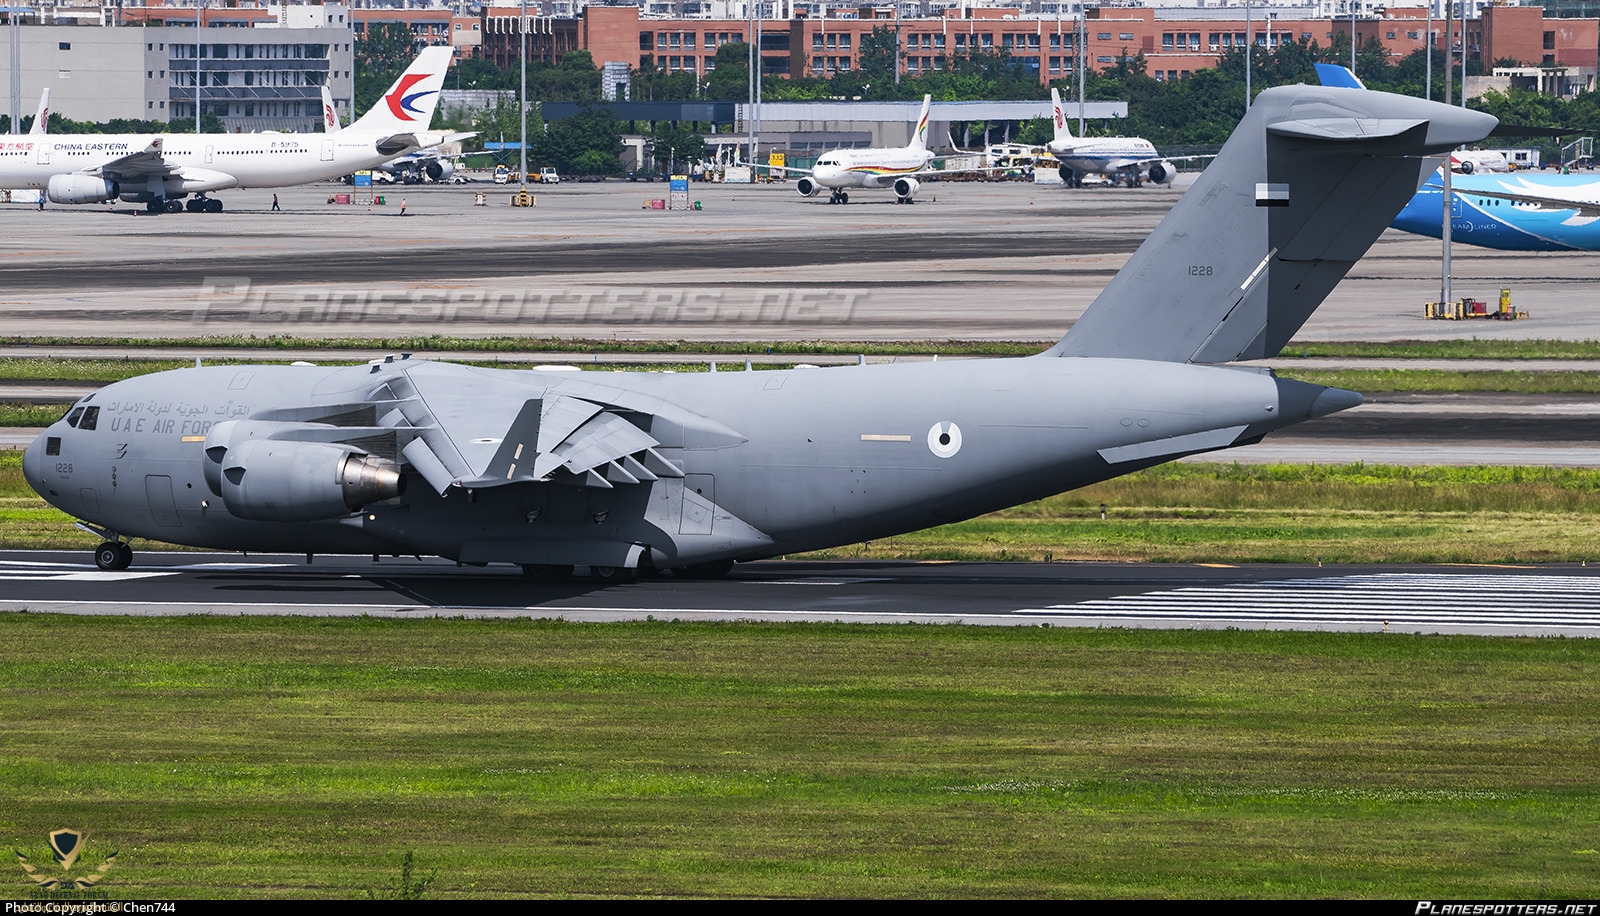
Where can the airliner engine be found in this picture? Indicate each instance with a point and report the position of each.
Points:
(906, 188)
(80, 189)
(1162, 173)
(440, 169)
(807, 187)
(273, 480)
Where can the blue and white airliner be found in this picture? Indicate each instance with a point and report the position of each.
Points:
(1515, 212)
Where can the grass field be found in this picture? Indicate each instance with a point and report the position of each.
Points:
(295, 757)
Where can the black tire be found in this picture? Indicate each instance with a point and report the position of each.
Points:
(108, 556)
(155, 206)
(844, 198)
(611, 575)
(213, 205)
(125, 559)
(174, 206)
(195, 206)
(539, 572)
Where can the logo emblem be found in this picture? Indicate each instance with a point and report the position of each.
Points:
(401, 104)
(65, 847)
(327, 115)
(944, 439)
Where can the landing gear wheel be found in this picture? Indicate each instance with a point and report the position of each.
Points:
(539, 572)
(716, 569)
(844, 198)
(113, 555)
(195, 206)
(611, 575)
(155, 206)
(213, 205)
(174, 206)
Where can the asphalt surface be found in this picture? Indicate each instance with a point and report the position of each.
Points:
(1502, 601)
(970, 261)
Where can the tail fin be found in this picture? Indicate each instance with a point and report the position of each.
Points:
(41, 120)
(1063, 132)
(1308, 181)
(330, 114)
(919, 137)
(409, 103)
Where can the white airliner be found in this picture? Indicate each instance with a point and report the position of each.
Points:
(1124, 160)
(899, 167)
(160, 170)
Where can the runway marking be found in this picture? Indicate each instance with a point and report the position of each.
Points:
(844, 580)
(81, 575)
(1397, 600)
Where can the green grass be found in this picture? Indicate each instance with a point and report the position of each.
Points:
(301, 758)
(1440, 380)
(442, 343)
(1473, 348)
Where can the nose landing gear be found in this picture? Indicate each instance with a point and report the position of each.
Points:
(113, 555)
(839, 197)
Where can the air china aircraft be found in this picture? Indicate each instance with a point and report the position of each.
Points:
(1124, 160)
(160, 170)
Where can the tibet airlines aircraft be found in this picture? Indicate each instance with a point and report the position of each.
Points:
(844, 170)
(160, 170)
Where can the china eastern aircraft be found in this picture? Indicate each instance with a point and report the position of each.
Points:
(1124, 160)
(898, 168)
(160, 170)
(691, 472)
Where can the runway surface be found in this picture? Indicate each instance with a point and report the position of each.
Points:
(1503, 601)
(970, 261)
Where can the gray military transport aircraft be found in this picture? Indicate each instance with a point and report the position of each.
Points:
(693, 471)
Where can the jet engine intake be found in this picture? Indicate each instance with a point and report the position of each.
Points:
(80, 189)
(906, 188)
(807, 187)
(1162, 173)
(274, 480)
(440, 169)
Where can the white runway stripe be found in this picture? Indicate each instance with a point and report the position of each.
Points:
(1396, 599)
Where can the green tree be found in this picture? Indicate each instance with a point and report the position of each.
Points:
(730, 80)
(675, 146)
(565, 143)
(877, 56)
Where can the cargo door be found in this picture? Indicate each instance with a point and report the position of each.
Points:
(327, 151)
(158, 489)
(210, 151)
(699, 496)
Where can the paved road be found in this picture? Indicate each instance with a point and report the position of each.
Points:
(1494, 601)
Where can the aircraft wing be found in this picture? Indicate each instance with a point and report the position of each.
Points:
(569, 432)
(146, 163)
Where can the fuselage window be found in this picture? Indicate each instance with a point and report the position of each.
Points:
(52, 445)
(91, 416)
(72, 418)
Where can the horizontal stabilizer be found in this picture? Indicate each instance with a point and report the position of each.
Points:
(1344, 128)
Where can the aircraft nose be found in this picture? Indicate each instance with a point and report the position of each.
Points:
(33, 460)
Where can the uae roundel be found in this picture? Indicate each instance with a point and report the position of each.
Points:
(944, 439)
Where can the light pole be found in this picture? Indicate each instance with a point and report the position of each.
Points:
(15, 29)
(522, 97)
(1449, 48)
(1427, 48)
(1249, 46)
(1083, 63)
(1353, 6)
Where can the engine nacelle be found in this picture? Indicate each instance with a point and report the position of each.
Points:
(906, 188)
(440, 169)
(1466, 167)
(1162, 173)
(275, 480)
(80, 189)
(807, 187)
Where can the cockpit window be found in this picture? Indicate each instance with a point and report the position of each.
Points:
(72, 418)
(91, 416)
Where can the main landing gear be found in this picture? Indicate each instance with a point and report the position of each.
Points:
(204, 205)
(113, 555)
(839, 197)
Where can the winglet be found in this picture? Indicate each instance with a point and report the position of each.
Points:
(330, 115)
(1335, 75)
(41, 120)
